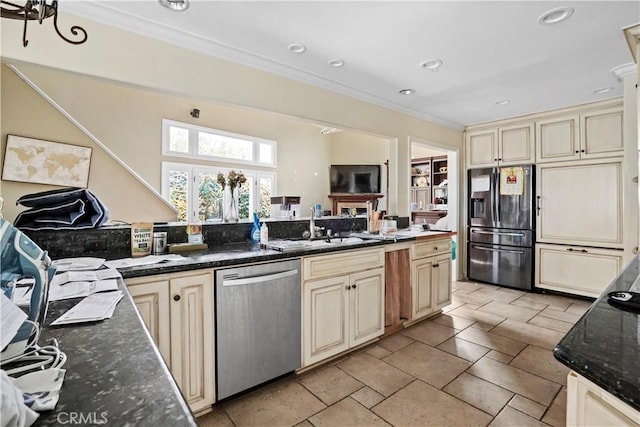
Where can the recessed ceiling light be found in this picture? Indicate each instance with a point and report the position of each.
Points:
(502, 102)
(554, 16)
(175, 5)
(407, 91)
(431, 64)
(336, 63)
(297, 48)
(602, 90)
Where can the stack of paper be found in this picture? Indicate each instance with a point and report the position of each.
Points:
(74, 264)
(93, 308)
(69, 290)
(147, 260)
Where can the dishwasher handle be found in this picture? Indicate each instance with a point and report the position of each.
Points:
(258, 279)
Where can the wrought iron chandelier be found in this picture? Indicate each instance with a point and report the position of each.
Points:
(39, 10)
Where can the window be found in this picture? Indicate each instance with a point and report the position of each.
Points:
(195, 192)
(193, 188)
(187, 140)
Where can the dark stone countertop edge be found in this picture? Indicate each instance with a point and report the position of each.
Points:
(232, 254)
(600, 366)
(112, 376)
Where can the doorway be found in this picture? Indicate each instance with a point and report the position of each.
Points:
(434, 192)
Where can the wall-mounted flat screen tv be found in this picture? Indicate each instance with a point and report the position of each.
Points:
(355, 179)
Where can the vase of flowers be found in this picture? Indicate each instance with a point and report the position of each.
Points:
(230, 186)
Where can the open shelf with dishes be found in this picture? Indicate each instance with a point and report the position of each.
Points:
(429, 189)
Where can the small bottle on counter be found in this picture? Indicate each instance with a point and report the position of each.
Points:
(264, 235)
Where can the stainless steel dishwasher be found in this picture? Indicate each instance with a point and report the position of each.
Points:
(258, 324)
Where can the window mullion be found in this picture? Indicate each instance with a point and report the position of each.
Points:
(192, 217)
(193, 142)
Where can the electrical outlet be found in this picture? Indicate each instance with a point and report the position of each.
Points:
(95, 245)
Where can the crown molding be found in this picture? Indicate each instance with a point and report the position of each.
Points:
(624, 70)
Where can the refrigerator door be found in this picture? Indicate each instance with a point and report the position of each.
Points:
(514, 197)
(482, 185)
(501, 265)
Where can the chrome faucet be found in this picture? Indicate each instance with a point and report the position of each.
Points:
(312, 223)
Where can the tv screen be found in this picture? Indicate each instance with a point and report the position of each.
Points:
(355, 179)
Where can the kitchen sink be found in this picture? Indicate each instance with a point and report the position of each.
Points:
(289, 245)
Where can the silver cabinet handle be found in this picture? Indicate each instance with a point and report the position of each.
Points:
(498, 233)
(258, 279)
(498, 250)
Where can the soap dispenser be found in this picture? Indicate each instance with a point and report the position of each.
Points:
(255, 230)
(264, 235)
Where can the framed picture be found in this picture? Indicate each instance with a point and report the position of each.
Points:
(45, 162)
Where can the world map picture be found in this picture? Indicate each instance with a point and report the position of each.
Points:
(45, 162)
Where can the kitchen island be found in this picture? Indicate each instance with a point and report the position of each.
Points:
(603, 351)
(115, 368)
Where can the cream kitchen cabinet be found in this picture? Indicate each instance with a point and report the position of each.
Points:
(501, 146)
(588, 135)
(343, 302)
(430, 277)
(576, 270)
(178, 311)
(590, 406)
(580, 203)
(152, 301)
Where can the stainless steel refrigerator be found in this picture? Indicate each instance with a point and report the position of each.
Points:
(501, 226)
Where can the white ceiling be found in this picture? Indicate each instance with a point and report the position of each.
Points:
(490, 50)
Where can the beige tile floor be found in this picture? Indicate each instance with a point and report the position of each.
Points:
(486, 360)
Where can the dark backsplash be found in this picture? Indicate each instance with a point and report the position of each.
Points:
(114, 241)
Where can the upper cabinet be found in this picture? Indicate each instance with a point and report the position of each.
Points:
(500, 146)
(578, 133)
(589, 135)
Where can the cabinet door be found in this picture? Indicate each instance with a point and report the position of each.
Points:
(516, 145)
(366, 309)
(442, 280)
(575, 269)
(482, 148)
(557, 139)
(325, 323)
(422, 285)
(580, 204)
(601, 134)
(192, 343)
(152, 301)
(590, 405)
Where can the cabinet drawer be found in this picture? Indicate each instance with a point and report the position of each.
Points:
(575, 269)
(429, 248)
(346, 262)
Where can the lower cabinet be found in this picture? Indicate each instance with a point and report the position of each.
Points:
(575, 269)
(430, 276)
(590, 406)
(344, 310)
(178, 311)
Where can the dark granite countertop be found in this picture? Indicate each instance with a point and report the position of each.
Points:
(114, 371)
(248, 253)
(234, 254)
(604, 345)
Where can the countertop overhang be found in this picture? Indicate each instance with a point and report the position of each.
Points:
(604, 345)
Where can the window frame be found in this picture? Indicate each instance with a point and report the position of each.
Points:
(193, 132)
(193, 170)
